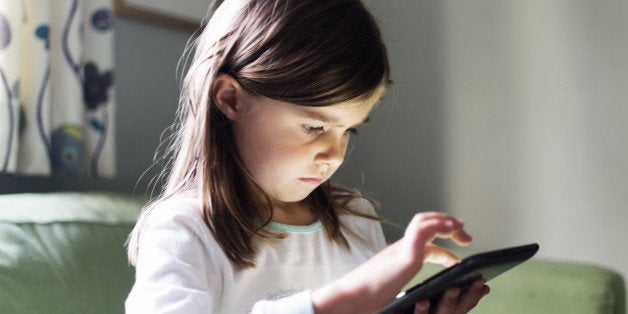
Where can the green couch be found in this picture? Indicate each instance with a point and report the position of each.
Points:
(63, 253)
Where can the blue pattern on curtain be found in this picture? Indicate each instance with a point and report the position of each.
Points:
(56, 88)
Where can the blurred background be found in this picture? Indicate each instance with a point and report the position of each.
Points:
(512, 115)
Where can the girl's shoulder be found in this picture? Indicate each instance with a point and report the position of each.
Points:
(185, 203)
(180, 207)
(352, 201)
(357, 214)
(171, 237)
(180, 214)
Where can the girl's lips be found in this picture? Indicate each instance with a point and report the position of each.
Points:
(312, 180)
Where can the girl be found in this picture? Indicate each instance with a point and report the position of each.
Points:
(248, 220)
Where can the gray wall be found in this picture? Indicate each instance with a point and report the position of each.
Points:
(513, 115)
(148, 92)
(537, 125)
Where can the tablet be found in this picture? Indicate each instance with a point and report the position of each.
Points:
(487, 265)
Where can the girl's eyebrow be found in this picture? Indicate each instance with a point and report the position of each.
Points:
(328, 120)
(318, 116)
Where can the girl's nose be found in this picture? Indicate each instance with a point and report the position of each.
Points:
(331, 151)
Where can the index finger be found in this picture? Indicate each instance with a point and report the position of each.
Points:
(437, 255)
(424, 227)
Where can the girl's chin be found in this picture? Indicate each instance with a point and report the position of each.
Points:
(296, 197)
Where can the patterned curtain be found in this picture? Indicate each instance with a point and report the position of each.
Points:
(56, 88)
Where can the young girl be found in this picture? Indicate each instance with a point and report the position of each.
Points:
(248, 221)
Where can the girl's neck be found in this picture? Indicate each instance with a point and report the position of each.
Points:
(296, 214)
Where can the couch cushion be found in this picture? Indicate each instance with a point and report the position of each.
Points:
(64, 252)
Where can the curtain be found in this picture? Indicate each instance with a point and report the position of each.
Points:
(56, 88)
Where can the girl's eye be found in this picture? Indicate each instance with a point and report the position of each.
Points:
(313, 129)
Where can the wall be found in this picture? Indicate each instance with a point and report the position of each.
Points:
(511, 115)
(148, 92)
(537, 125)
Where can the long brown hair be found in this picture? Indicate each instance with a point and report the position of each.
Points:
(305, 52)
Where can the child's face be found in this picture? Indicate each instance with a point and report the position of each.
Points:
(291, 149)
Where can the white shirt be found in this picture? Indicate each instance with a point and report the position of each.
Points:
(181, 268)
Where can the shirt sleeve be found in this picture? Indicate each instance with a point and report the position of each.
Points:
(173, 267)
(300, 303)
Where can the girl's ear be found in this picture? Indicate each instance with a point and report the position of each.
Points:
(227, 94)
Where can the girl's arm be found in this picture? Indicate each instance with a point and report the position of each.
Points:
(375, 283)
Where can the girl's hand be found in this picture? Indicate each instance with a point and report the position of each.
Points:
(453, 302)
(423, 229)
(376, 282)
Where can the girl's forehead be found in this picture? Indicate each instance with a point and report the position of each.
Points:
(342, 114)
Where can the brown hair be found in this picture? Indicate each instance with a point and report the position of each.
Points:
(305, 52)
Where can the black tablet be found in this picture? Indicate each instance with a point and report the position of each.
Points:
(486, 265)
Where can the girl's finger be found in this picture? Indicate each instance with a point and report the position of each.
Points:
(423, 228)
(449, 301)
(472, 295)
(422, 307)
(461, 237)
(437, 255)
